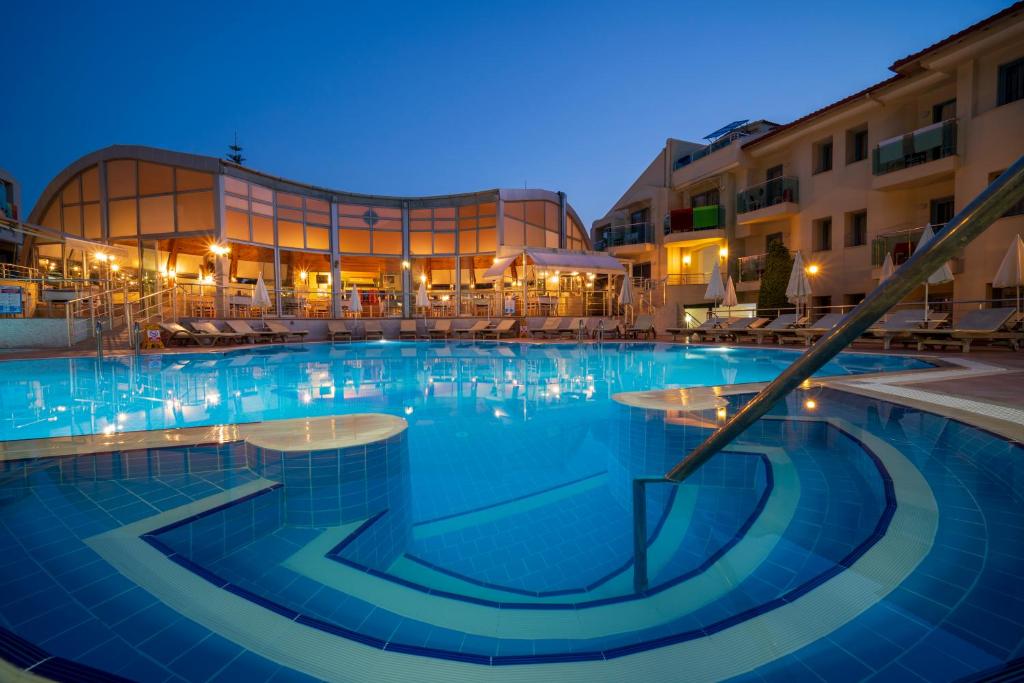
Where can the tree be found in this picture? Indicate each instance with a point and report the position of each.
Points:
(774, 280)
(234, 154)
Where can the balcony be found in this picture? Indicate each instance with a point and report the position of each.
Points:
(900, 243)
(702, 222)
(768, 201)
(918, 158)
(718, 144)
(624, 239)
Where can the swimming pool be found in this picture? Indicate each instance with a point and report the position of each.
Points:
(493, 538)
(76, 396)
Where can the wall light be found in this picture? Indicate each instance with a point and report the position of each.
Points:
(303, 275)
(813, 269)
(219, 249)
(114, 267)
(686, 259)
(723, 252)
(406, 265)
(172, 273)
(553, 279)
(423, 277)
(810, 404)
(99, 256)
(721, 413)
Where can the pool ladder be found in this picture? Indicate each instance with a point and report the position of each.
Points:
(990, 205)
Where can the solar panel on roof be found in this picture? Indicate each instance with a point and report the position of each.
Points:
(725, 129)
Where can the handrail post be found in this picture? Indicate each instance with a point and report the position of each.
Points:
(639, 536)
(974, 219)
(99, 340)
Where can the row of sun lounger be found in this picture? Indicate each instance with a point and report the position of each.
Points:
(907, 327)
(239, 331)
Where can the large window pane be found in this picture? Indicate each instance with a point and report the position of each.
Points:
(91, 185)
(289, 234)
(156, 214)
(237, 225)
(420, 243)
(317, 238)
(72, 192)
(192, 180)
(236, 186)
(444, 242)
(121, 178)
(155, 178)
(195, 211)
(121, 214)
(262, 230)
(387, 242)
(92, 221)
(354, 241)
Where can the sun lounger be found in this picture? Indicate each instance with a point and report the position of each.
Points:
(211, 329)
(549, 326)
(337, 329)
(784, 322)
(440, 330)
(478, 327)
(710, 327)
(407, 329)
(735, 327)
(643, 325)
(243, 328)
(819, 328)
(286, 332)
(178, 332)
(898, 326)
(505, 327)
(995, 325)
(373, 329)
(572, 329)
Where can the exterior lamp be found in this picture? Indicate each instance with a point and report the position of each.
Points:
(406, 265)
(723, 252)
(686, 259)
(303, 275)
(813, 269)
(172, 273)
(219, 249)
(810, 404)
(553, 279)
(720, 414)
(423, 277)
(114, 267)
(100, 256)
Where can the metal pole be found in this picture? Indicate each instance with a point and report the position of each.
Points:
(136, 341)
(974, 219)
(639, 536)
(99, 341)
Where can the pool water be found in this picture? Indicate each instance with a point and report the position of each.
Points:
(75, 396)
(853, 540)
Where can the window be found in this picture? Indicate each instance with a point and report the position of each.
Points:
(821, 236)
(857, 144)
(857, 229)
(1011, 82)
(853, 299)
(822, 152)
(642, 270)
(709, 198)
(773, 172)
(1015, 210)
(940, 211)
(943, 111)
(771, 239)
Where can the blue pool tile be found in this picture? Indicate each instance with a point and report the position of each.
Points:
(247, 666)
(204, 660)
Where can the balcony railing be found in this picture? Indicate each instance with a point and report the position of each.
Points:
(751, 268)
(718, 144)
(900, 243)
(621, 235)
(768, 193)
(926, 144)
(699, 218)
(675, 279)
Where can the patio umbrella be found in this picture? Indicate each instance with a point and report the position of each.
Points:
(799, 288)
(626, 293)
(943, 274)
(422, 300)
(1011, 270)
(730, 295)
(887, 269)
(260, 295)
(356, 306)
(715, 291)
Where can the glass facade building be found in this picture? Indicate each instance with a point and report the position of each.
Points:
(203, 223)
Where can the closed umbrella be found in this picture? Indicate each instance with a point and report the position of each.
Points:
(799, 288)
(730, 295)
(260, 295)
(356, 306)
(887, 269)
(1011, 270)
(940, 276)
(715, 291)
(422, 300)
(626, 293)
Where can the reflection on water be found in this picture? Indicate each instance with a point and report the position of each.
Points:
(63, 397)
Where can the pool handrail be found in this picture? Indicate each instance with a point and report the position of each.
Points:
(990, 205)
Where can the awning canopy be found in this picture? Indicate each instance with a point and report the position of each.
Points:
(568, 261)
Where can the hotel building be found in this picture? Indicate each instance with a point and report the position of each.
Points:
(845, 185)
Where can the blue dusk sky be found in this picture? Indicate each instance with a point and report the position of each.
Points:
(436, 97)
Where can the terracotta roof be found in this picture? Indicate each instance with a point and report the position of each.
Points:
(1017, 6)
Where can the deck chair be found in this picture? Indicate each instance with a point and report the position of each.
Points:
(549, 326)
(733, 331)
(572, 329)
(337, 329)
(505, 327)
(643, 325)
(206, 327)
(994, 325)
(471, 332)
(897, 326)
(373, 329)
(441, 329)
(710, 327)
(243, 328)
(784, 322)
(819, 328)
(407, 329)
(178, 332)
(286, 332)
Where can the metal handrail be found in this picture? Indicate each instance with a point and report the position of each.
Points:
(974, 219)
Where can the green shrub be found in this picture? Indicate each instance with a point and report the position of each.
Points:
(777, 268)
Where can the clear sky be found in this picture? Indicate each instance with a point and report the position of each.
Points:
(436, 97)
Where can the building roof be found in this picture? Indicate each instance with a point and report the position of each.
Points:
(899, 66)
